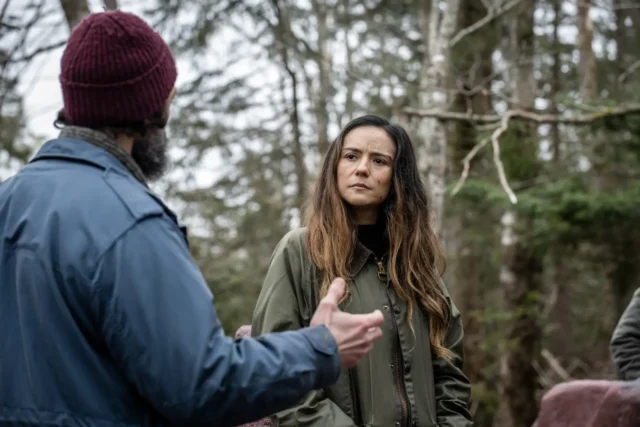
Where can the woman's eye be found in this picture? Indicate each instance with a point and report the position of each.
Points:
(350, 156)
(380, 161)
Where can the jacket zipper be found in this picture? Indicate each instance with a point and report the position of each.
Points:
(355, 398)
(405, 414)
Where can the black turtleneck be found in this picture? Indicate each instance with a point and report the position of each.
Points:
(374, 237)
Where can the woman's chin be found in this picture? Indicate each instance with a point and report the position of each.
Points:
(360, 202)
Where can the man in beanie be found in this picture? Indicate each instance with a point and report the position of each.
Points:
(106, 319)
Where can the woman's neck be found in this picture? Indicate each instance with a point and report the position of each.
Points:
(366, 216)
(374, 237)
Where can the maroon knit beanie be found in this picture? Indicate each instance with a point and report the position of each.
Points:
(115, 70)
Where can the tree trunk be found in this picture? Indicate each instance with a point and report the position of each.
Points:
(284, 36)
(521, 270)
(74, 11)
(111, 4)
(587, 65)
(555, 80)
(521, 281)
(434, 76)
(622, 46)
(346, 115)
(324, 61)
(465, 250)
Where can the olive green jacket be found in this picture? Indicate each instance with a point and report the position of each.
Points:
(625, 342)
(400, 383)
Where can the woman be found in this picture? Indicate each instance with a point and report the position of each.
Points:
(368, 221)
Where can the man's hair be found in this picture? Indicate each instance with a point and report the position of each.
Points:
(416, 259)
(139, 129)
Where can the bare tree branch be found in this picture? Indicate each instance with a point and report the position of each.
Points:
(28, 57)
(283, 34)
(502, 176)
(555, 365)
(632, 68)
(503, 121)
(3, 12)
(527, 116)
(467, 164)
(493, 13)
(25, 29)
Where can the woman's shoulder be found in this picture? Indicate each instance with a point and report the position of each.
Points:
(292, 250)
(292, 246)
(293, 239)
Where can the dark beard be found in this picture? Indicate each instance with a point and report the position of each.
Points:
(150, 153)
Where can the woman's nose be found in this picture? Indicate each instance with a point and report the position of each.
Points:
(362, 167)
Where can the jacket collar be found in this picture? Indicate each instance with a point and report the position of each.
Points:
(360, 256)
(90, 152)
(90, 146)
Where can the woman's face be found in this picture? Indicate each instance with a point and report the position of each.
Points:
(365, 171)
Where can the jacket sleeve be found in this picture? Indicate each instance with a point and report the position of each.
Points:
(279, 308)
(452, 388)
(157, 318)
(625, 342)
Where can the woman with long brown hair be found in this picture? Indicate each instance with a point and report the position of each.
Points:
(368, 221)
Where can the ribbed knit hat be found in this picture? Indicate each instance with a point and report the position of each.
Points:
(115, 70)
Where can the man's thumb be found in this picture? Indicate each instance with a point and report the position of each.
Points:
(336, 291)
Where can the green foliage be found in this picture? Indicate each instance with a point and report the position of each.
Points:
(564, 212)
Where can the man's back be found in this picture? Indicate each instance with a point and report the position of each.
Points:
(57, 217)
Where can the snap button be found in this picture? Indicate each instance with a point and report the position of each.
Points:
(386, 307)
(407, 368)
(396, 310)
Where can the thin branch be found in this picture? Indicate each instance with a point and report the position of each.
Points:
(543, 378)
(467, 164)
(502, 176)
(19, 44)
(490, 16)
(482, 85)
(527, 116)
(503, 121)
(555, 365)
(632, 68)
(486, 4)
(3, 12)
(28, 57)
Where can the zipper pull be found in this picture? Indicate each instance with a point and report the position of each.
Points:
(382, 273)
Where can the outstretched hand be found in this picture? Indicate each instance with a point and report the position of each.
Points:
(354, 333)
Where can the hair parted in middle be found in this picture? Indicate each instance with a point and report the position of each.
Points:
(416, 259)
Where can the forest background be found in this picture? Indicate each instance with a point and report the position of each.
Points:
(525, 115)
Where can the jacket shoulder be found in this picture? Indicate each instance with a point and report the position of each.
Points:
(292, 247)
(76, 199)
(112, 204)
(293, 239)
(138, 201)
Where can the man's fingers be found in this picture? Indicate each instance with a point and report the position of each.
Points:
(336, 291)
(329, 304)
(375, 319)
(369, 320)
(374, 333)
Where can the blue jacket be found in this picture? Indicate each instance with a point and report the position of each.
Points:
(106, 320)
